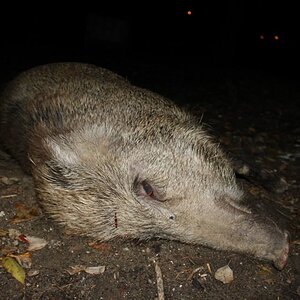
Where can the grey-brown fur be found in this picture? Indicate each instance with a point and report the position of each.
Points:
(94, 143)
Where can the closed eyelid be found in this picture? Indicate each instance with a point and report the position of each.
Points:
(146, 187)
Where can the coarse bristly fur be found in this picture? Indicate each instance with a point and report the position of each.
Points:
(110, 159)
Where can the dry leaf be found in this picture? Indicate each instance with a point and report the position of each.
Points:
(95, 270)
(102, 247)
(75, 269)
(265, 270)
(35, 243)
(23, 259)
(24, 213)
(32, 273)
(224, 274)
(90, 270)
(12, 266)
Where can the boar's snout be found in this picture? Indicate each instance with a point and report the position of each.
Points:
(237, 229)
(270, 243)
(281, 260)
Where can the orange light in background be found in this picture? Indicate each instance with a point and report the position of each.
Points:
(276, 37)
(189, 12)
(261, 37)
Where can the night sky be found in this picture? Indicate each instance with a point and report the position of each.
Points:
(224, 32)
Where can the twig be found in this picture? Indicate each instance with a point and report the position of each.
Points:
(194, 271)
(8, 196)
(159, 282)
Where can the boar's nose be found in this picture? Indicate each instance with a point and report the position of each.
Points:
(281, 261)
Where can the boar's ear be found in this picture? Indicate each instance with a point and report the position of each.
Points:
(81, 146)
(61, 151)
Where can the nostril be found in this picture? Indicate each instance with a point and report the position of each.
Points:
(172, 217)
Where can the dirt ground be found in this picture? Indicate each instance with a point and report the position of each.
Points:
(255, 115)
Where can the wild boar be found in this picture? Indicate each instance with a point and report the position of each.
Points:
(110, 159)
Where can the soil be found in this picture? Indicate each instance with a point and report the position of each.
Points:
(255, 116)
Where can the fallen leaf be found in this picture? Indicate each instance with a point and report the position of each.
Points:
(12, 266)
(102, 247)
(224, 274)
(24, 213)
(95, 270)
(35, 243)
(75, 269)
(23, 259)
(265, 270)
(90, 270)
(32, 273)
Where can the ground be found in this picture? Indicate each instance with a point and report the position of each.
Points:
(255, 117)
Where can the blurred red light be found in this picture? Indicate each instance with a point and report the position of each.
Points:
(276, 37)
(261, 37)
(189, 12)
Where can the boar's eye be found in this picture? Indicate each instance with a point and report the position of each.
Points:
(148, 189)
(145, 188)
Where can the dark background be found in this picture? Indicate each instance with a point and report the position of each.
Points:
(222, 33)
